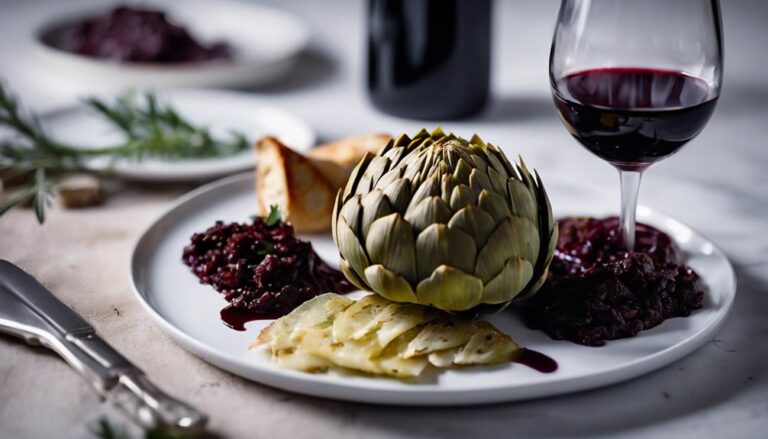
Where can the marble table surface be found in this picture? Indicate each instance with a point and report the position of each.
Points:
(717, 184)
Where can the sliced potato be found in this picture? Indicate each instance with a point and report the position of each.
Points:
(299, 359)
(443, 333)
(353, 354)
(320, 309)
(487, 345)
(395, 321)
(357, 317)
(443, 359)
(392, 362)
(376, 336)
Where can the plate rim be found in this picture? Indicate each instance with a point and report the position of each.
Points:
(302, 383)
(136, 174)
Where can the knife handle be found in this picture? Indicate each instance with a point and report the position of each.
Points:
(35, 315)
(154, 409)
(123, 384)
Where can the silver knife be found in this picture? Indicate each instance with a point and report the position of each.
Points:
(31, 312)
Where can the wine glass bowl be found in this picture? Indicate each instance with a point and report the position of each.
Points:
(635, 81)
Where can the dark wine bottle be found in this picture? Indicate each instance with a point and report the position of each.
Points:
(429, 59)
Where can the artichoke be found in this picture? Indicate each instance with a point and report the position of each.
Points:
(441, 221)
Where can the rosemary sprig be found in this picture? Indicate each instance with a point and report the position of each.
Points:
(150, 129)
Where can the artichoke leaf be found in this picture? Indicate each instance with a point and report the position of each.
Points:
(476, 140)
(446, 188)
(352, 276)
(335, 216)
(498, 181)
(450, 289)
(513, 237)
(389, 284)
(475, 223)
(430, 211)
(462, 172)
(479, 180)
(375, 205)
(440, 245)
(479, 159)
(499, 162)
(495, 205)
(352, 212)
(515, 275)
(350, 248)
(522, 202)
(544, 199)
(394, 155)
(540, 276)
(376, 169)
(399, 194)
(461, 196)
(428, 189)
(390, 242)
(354, 178)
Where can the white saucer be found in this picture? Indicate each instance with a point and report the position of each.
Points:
(221, 111)
(189, 313)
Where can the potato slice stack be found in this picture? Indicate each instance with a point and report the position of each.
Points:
(377, 336)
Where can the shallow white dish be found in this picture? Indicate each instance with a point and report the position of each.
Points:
(189, 313)
(265, 40)
(220, 111)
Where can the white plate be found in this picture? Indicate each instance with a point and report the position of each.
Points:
(221, 111)
(266, 42)
(189, 313)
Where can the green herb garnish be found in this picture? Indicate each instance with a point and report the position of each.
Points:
(149, 128)
(267, 250)
(274, 216)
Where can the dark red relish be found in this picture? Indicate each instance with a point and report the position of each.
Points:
(597, 291)
(134, 35)
(262, 269)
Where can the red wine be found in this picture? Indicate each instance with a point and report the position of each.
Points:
(633, 117)
(429, 59)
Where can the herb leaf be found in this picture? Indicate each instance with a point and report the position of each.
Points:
(274, 216)
(150, 129)
(267, 250)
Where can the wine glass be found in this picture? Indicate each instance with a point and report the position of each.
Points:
(634, 81)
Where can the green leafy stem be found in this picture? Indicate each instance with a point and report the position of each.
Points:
(150, 130)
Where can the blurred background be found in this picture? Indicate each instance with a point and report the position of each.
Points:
(327, 87)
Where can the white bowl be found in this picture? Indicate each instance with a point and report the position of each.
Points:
(265, 42)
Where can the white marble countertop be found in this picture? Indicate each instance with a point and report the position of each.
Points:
(717, 184)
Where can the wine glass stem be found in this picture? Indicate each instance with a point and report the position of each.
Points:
(630, 185)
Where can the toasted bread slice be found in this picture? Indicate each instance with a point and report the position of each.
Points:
(305, 186)
(296, 184)
(348, 151)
